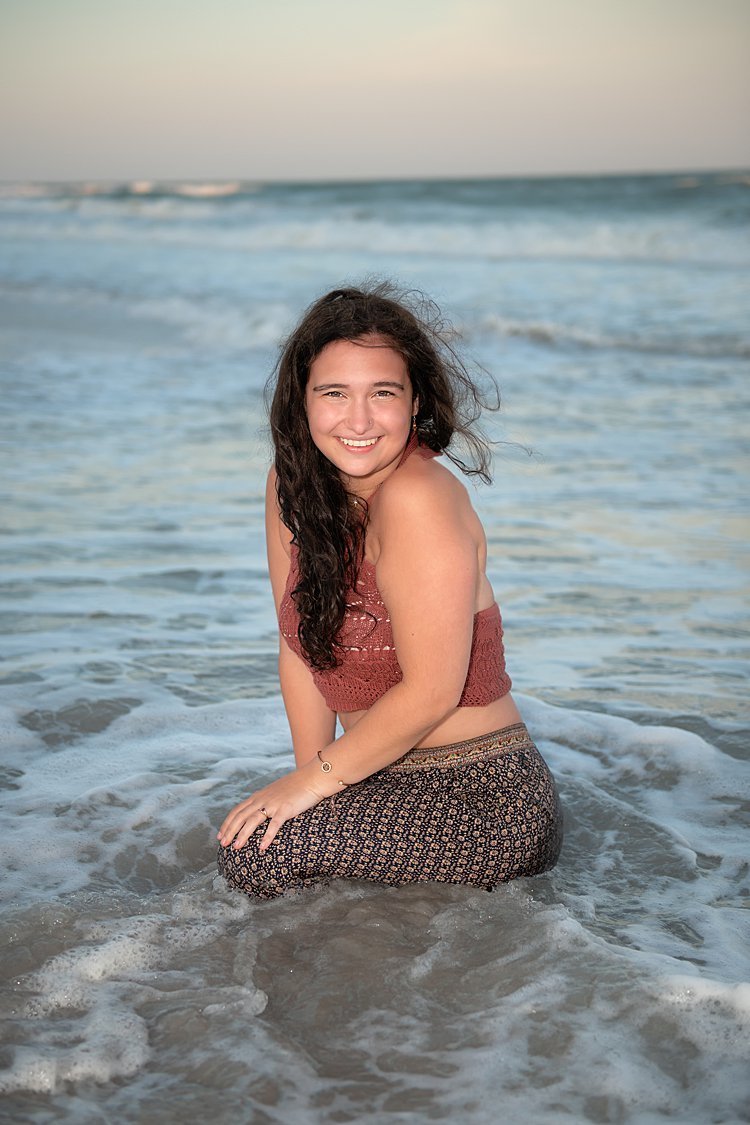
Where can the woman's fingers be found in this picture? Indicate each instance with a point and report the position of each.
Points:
(241, 822)
(235, 815)
(239, 829)
(246, 829)
(245, 819)
(274, 824)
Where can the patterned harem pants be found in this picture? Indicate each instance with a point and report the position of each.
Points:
(479, 812)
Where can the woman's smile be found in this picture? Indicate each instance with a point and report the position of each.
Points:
(355, 443)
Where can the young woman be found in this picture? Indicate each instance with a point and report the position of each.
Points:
(388, 622)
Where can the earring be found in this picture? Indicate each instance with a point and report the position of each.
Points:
(413, 423)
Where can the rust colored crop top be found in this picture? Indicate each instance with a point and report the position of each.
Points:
(369, 665)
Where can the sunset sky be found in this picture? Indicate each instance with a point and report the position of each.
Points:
(319, 89)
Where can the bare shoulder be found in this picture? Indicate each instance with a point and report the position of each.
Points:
(422, 490)
(422, 508)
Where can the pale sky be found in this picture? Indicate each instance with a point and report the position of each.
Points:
(332, 89)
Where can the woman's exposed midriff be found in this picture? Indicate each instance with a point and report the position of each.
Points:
(462, 723)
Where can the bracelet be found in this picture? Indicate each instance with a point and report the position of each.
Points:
(327, 767)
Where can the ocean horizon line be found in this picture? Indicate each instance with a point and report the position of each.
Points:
(211, 187)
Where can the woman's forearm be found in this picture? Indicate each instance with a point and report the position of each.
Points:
(311, 723)
(391, 727)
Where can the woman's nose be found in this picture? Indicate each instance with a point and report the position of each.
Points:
(360, 415)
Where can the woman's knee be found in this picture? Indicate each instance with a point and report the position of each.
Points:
(247, 869)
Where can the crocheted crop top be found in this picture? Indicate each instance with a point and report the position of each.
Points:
(368, 663)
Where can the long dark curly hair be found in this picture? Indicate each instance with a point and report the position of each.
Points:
(327, 530)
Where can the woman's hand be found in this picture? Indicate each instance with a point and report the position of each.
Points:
(278, 802)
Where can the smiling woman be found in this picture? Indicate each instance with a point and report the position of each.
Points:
(387, 622)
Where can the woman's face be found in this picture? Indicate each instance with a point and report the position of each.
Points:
(359, 408)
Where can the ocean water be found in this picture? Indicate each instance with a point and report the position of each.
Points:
(138, 692)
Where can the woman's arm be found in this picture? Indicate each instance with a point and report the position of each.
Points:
(428, 575)
(311, 723)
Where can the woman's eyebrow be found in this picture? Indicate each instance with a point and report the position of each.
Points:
(344, 386)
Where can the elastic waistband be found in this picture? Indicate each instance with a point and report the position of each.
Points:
(481, 749)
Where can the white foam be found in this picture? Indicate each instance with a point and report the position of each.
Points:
(576, 1028)
(121, 807)
(113, 1043)
(99, 985)
(703, 1004)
